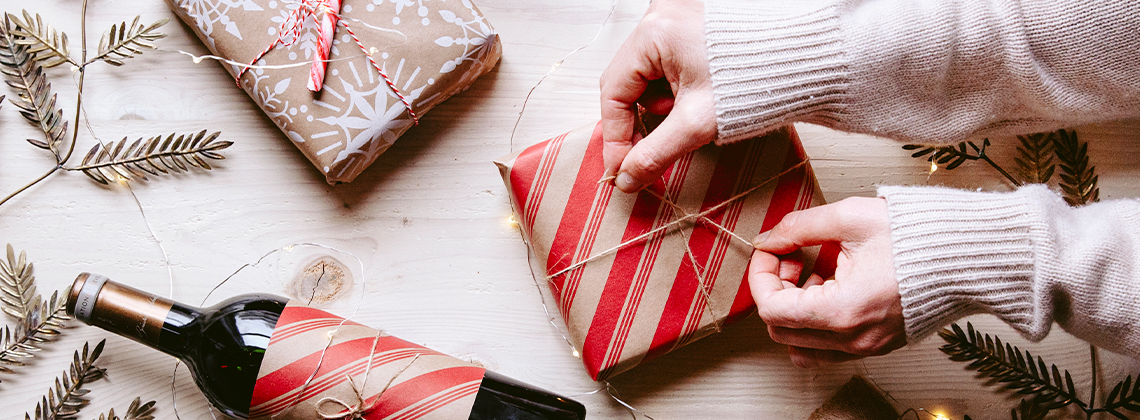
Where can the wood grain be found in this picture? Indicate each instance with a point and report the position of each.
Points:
(441, 264)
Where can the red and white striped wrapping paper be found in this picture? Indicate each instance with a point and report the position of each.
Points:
(427, 384)
(646, 299)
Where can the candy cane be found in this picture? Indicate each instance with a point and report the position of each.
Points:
(327, 16)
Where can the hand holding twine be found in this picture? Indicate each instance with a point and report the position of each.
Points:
(326, 13)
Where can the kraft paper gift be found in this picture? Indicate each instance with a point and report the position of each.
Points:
(429, 51)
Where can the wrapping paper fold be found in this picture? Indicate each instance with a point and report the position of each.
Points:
(429, 50)
(637, 297)
(397, 379)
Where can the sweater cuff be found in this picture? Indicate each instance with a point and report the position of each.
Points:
(958, 253)
(774, 65)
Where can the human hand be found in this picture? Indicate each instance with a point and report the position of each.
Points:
(855, 315)
(663, 67)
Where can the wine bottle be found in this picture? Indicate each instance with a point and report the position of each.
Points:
(224, 347)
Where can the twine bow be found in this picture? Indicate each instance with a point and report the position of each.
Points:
(362, 406)
(327, 15)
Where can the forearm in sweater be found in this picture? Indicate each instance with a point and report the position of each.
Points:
(922, 71)
(1025, 256)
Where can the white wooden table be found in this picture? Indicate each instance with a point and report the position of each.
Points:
(429, 221)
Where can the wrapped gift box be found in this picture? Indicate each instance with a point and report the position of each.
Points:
(636, 275)
(429, 51)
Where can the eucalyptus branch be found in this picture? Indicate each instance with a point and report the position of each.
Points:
(36, 102)
(65, 400)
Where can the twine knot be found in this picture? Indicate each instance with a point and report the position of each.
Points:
(349, 411)
(328, 18)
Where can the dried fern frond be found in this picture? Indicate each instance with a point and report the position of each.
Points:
(950, 156)
(1078, 179)
(136, 411)
(1028, 409)
(65, 400)
(124, 41)
(17, 286)
(43, 41)
(154, 156)
(36, 102)
(1124, 395)
(44, 323)
(1007, 364)
(1035, 160)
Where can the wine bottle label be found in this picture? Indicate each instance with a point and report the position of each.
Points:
(318, 364)
(85, 303)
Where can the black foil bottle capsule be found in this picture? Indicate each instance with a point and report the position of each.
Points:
(223, 347)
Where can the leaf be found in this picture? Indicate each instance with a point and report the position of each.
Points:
(1005, 364)
(18, 296)
(47, 45)
(153, 156)
(135, 411)
(65, 400)
(1078, 179)
(1035, 161)
(124, 41)
(25, 75)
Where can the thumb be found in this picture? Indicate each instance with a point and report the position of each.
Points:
(798, 229)
(682, 132)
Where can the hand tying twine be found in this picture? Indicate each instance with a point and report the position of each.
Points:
(327, 18)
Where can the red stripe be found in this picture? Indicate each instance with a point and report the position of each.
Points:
(301, 328)
(412, 391)
(725, 182)
(330, 379)
(295, 313)
(601, 202)
(549, 156)
(450, 396)
(784, 200)
(632, 267)
(568, 244)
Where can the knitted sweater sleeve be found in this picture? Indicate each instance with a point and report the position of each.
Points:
(922, 71)
(1024, 256)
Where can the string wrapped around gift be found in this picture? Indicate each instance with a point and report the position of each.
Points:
(327, 15)
(701, 217)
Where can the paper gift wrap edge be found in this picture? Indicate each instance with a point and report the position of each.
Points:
(601, 366)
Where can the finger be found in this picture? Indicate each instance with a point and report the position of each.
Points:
(791, 267)
(658, 97)
(812, 307)
(813, 280)
(808, 338)
(809, 227)
(622, 84)
(677, 136)
(807, 358)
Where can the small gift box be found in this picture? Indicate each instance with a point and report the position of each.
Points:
(638, 275)
(389, 62)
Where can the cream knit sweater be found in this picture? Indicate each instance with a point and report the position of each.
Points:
(939, 71)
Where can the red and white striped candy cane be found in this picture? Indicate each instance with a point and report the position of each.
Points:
(327, 15)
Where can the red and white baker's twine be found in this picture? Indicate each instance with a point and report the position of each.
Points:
(326, 14)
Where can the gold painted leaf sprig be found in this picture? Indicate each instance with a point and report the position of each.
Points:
(153, 156)
(29, 44)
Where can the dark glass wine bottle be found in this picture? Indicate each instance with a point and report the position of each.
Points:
(223, 347)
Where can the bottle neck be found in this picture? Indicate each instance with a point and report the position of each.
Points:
(146, 318)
